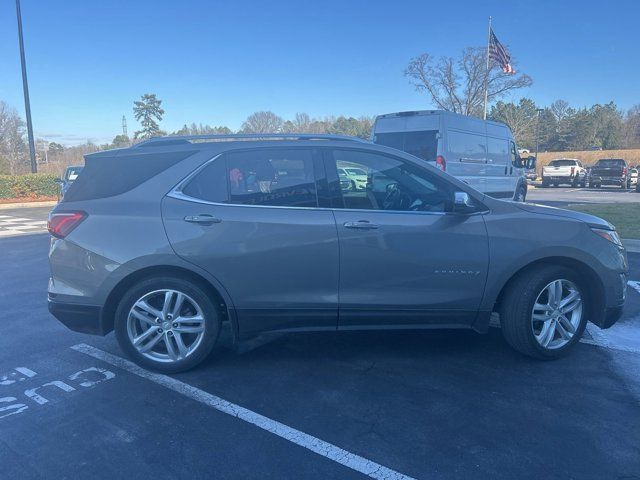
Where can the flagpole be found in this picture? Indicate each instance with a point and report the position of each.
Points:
(486, 77)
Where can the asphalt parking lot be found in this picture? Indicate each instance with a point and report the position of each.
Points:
(562, 196)
(393, 405)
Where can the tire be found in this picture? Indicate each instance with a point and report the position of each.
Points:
(195, 305)
(516, 312)
(521, 194)
(545, 184)
(583, 184)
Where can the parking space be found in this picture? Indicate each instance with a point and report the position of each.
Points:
(387, 405)
(562, 196)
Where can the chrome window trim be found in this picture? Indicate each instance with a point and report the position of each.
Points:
(177, 193)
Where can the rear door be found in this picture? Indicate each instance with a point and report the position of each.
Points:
(403, 261)
(251, 219)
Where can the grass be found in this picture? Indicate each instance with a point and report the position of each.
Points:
(624, 216)
(632, 156)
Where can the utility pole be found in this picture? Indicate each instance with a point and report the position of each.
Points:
(124, 126)
(25, 88)
(539, 111)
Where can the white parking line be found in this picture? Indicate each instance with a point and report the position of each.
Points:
(328, 450)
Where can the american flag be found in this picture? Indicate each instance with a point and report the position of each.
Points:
(499, 54)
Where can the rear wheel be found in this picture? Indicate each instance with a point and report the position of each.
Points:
(543, 312)
(167, 324)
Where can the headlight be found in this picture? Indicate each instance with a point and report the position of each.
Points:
(610, 235)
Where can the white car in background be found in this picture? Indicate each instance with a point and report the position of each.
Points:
(357, 176)
(564, 170)
(633, 177)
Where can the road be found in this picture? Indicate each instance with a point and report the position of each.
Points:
(562, 196)
(445, 405)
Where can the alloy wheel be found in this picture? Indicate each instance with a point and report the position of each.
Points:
(165, 325)
(556, 314)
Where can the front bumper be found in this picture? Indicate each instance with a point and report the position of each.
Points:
(78, 317)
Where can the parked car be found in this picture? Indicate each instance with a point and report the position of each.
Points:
(564, 170)
(357, 176)
(610, 171)
(346, 184)
(478, 152)
(633, 177)
(70, 176)
(258, 234)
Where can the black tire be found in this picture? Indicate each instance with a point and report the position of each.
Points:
(545, 184)
(520, 194)
(517, 305)
(211, 316)
(583, 184)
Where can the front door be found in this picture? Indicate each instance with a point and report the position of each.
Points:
(404, 261)
(251, 219)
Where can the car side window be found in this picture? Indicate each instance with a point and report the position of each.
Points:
(272, 177)
(389, 183)
(468, 146)
(210, 183)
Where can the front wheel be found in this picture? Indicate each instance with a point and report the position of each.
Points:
(521, 194)
(543, 312)
(166, 324)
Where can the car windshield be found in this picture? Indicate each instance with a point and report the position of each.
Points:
(563, 163)
(610, 162)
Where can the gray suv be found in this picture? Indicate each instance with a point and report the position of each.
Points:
(165, 241)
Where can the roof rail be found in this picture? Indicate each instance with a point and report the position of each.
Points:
(182, 139)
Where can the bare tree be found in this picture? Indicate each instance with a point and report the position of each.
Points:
(561, 110)
(459, 85)
(13, 149)
(262, 122)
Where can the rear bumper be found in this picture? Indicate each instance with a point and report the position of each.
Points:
(608, 180)
(79, 318)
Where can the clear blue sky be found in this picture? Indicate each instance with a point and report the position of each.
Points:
(216, 62)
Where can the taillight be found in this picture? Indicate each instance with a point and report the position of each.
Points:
(624, 172)
(441, 163)
(61, 224)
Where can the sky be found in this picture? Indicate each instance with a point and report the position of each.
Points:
(217, 62)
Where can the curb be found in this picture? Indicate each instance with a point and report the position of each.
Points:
(6, 206)
(632, 245)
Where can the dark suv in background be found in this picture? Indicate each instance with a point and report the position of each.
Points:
(165, 241)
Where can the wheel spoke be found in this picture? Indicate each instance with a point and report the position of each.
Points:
(569, 298)
(142, 317)
(142, 305)
(547, 333)
(143, 336)
(151, 343)
(181, 346)
(171, 350)
(177, 306)
(563, 332)
(168, 296)
(566, 324)
(571, 306)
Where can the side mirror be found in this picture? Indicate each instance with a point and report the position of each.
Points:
(530, 163)
(463, 203)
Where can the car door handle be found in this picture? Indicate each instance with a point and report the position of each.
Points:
(361, 225)
(202, 219)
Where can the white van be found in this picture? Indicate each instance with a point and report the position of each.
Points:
(480, 152)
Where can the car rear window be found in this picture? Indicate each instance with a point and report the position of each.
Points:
(423, 144)
(109, 176)
(610, 162)
(562, 163)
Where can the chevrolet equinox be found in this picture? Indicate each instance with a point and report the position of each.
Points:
(164, 241)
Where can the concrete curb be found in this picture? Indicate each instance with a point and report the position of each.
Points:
(6, 206)
(632, 245)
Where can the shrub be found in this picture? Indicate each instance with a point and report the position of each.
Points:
(28, 186)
